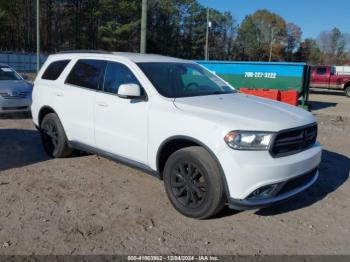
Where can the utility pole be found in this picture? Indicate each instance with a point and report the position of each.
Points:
(143, 44)
(207, 37)
(37, 35)
(271, 43)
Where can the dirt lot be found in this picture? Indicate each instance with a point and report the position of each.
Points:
(90, 205)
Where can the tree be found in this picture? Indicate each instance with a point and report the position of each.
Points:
(258, 32)
(332, 44)
(309, 52)
(222, 34)
(119, 28)
(293, 40)
(177, 28)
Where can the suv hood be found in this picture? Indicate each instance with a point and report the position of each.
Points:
(244, 112)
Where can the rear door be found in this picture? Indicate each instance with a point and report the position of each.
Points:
(121, 125)
(75, 99)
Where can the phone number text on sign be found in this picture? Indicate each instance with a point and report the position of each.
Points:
(261, 75)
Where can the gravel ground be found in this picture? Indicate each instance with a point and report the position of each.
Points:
(90, 205)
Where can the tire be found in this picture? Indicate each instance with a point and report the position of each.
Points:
(53, 137)
(193, 183)
(347, 91)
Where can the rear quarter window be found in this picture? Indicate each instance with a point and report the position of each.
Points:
(55, 69)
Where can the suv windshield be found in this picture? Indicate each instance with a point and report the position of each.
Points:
(6, 73)
(183, 80)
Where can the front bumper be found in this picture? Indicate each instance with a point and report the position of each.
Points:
(247, 204)
(247, 171)
(15, 105)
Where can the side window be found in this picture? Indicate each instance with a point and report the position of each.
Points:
(54, 70)
(321, 71)
(333, 71)
(116, 75)
(87, 73)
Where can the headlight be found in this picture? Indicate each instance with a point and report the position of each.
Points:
(248, 140)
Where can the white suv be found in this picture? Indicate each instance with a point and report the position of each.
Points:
(182, 123)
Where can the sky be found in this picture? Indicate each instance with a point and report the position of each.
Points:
(312, 16)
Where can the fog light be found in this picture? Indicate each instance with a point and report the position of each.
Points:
(264, 192)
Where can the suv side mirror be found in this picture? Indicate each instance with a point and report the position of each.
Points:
(129, 91)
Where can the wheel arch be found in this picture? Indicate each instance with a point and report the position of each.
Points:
(43, 112)
(174, 143)
(346, 84)
(347, 89)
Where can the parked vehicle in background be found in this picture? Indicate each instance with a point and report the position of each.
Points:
(178, 121)
(280, 76)
(342, 70)
(15, 92)
(326, 77)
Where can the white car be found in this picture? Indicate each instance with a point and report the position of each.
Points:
(171, 117)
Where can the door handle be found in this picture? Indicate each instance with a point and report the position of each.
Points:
(103, 104)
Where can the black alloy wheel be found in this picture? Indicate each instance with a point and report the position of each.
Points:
(53, 137)
(188, 184)
(193, 182)
(49, 137)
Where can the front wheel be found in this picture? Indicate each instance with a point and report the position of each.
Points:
(193, 183)
(347, 91)
(53, 137)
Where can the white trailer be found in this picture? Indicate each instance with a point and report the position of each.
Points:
(342, 70)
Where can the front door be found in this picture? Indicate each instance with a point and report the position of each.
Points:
(121, 125)
(320, 78)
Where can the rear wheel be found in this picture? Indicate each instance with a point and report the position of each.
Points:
(193, 183)
(347, 91)
(53, 137)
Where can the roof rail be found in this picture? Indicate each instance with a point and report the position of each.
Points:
(85, 52)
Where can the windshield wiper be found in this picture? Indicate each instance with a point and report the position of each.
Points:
(221, 93)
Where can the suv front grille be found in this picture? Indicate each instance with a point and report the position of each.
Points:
(292, 141)
(14, 95)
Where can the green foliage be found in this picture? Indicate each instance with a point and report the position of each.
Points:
(119, 24)
(309, 52)
(175, 28)
(258, 32)
(178, 27)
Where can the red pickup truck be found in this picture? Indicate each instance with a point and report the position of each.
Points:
(326, 77)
